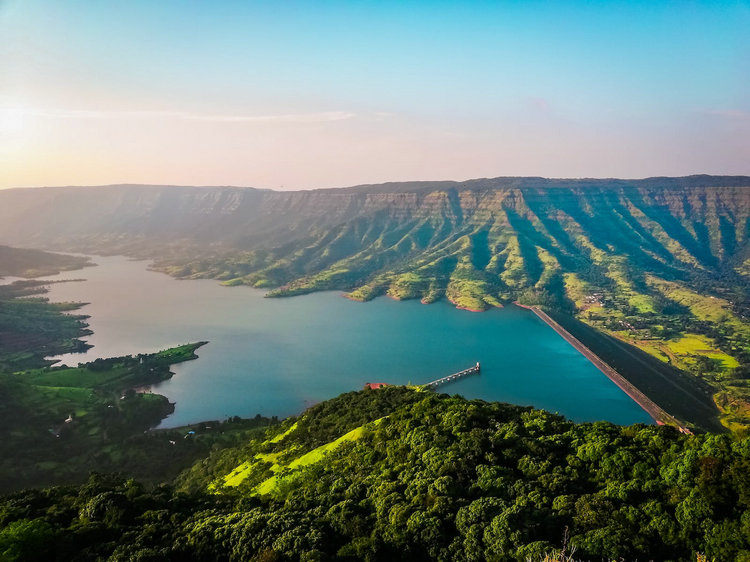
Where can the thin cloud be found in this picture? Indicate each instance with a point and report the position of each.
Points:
(729, 113)
(287, 118)
(318, 117)
(540, 104)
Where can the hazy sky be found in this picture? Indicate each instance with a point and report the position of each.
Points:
(289, 95)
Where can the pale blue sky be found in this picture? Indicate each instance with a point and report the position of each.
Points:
(313, 94)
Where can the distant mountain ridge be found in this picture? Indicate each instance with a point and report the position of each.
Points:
(500, 182)
(65, 217)
(537, 182)
(515, 231)
(661, 263)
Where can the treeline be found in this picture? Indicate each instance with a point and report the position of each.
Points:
(440, 478)
(32, 328)
(60, 423)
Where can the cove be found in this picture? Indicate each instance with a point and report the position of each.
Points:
(280, 356)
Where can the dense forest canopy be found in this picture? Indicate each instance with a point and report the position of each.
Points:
(437, 478)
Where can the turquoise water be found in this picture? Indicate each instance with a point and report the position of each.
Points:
(279, 356)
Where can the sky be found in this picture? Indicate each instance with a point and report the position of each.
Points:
(299, 95)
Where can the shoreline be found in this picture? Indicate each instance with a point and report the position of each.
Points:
(659, 415)
(457, 306)
(461, 307)
(422, 301)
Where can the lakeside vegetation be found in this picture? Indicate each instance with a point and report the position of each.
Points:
(20, 262)
(59, 423)
(395, 474)
(32, 328)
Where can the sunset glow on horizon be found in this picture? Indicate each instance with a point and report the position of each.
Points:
(299, 95)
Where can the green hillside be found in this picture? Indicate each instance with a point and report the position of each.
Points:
(31, 328)
(396, 474)
(59, 423)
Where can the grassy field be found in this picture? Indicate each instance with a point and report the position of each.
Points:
(695, 333)
(79, 418)
(683, 352)
(707, 308)
(692, 345)
(682, 395)
(32, 328)
(281, 465)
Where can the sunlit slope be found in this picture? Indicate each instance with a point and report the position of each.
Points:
(283, 471)
(478, 247)
(396, 474)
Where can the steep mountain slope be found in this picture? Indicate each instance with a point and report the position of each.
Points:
(661, 263)
(249, 218)
(477, 242)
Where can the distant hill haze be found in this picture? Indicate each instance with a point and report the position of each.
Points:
(36, 263)
(516, 232)
(233, 215)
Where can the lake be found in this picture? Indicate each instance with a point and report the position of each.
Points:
(279, 356)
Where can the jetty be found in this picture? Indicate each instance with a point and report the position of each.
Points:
(455, 376)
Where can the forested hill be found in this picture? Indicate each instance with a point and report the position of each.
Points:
(395, 474)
